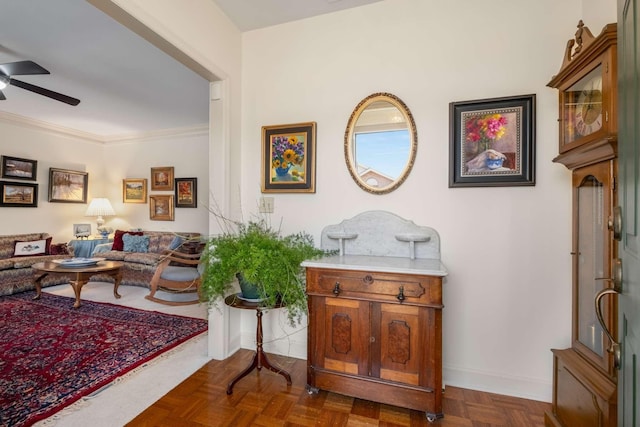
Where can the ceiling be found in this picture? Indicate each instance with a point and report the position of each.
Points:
(253, 14)
(127, 86)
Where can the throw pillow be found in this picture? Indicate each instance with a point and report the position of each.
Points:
(59, 249)
(118, 244)
(134, 243)
(31, 248)
(176, 243)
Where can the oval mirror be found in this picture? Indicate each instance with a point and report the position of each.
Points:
(380, 143)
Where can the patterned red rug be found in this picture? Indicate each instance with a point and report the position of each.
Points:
(51, 354)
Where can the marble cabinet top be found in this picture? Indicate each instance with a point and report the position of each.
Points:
(383, 264)
(380, 241)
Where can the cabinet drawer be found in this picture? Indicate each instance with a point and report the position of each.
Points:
(374, 285)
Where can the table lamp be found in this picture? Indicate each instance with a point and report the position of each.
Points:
(100, 207)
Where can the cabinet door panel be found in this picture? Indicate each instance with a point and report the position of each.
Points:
(347, 335)
(401, 342)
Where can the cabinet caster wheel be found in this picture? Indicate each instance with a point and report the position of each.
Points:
(431, 417)
(312, 390)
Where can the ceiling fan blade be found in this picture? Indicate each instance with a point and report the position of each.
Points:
(2, 97)
(21, 68)
(45, 92)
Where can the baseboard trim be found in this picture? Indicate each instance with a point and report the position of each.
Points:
(526, 388)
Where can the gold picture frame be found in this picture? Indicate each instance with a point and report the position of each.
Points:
(161, 207)
(134, 190)
(162, 178)
(288, 158)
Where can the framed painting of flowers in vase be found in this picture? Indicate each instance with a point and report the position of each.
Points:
(492, 142)
(288, 158)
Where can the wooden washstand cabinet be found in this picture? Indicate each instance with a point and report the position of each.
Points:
(375, 313)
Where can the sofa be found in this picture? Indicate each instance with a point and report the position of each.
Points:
(143, 255)
(18, 252)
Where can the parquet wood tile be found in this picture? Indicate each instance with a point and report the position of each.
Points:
(264, 399)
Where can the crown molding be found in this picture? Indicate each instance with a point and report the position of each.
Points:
(49, 127)
(91, 137)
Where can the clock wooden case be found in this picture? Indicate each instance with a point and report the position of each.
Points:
(585, 374)
(588, 98)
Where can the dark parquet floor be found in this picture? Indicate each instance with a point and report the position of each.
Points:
(264, 399)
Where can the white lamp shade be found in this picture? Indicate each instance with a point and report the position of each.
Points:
(100, 207)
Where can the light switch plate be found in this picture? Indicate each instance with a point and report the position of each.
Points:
(265, 205)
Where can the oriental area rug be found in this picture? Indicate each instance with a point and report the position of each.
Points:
(52, 354)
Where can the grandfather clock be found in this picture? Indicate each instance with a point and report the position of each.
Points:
(585, 375)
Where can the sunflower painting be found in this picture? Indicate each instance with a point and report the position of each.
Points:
(287, 157)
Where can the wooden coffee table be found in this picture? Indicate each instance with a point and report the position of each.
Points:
(82, 275)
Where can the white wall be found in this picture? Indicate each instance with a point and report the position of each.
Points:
(507, 297)
(107, 165)
(598, 13)
(50, 149)
(508, 293)
(187, 154)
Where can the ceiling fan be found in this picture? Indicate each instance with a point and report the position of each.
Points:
(10, 69)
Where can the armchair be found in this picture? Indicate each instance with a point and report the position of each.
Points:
(177, 273)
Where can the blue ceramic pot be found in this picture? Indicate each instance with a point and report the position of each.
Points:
(249, 290)
(283, 171)
(494, 163)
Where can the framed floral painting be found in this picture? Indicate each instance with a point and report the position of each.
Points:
(492, 142)
(162, 178)
(288, 158)
(186, 193)
(161, 207)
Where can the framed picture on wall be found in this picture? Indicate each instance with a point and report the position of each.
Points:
(18, 194)
(492, 142)
(161, 207)
(162, 178)
(288, 158)
(81, 230)
(134, 190)
(67, 186)
(17, 168)
(186, 192)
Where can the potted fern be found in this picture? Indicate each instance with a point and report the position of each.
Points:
(254, 253)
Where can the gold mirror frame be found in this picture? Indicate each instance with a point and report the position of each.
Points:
(349, 149)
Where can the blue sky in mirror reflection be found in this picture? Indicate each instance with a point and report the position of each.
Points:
(386, 152)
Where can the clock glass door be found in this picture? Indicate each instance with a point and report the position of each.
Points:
(583, 107)
(593, 243)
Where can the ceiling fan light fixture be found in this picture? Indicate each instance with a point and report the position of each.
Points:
(4, 82)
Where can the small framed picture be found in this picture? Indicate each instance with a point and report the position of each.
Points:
(162, 179)
(186, 192)
(18, 194)
(161, 207)
(17, 168)
(134, 190)
(81, 230)
(492, 142)
(288, 158)
(67, 186)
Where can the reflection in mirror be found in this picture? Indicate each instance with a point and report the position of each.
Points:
(380, 143)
